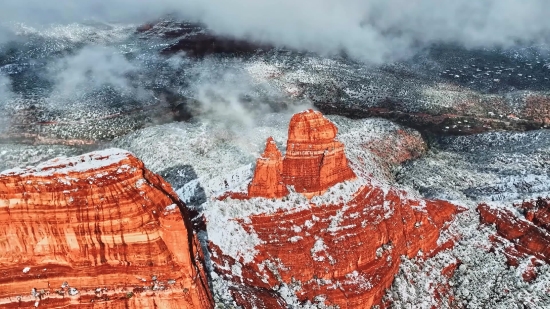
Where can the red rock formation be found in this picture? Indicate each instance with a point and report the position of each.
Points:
(98, 230)
(538, 212)
(521, 238)
(398, 147)
(346, 254)
(526, 237)
(314, 159)
(267, 181)
(529, 273)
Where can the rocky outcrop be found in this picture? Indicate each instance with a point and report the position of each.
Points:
(397, 147)
(526, 237)
(537, 211)
(314, 159)
(343, 254)
(98, 230)
(520, 237)
(341, 244)
(268, 181)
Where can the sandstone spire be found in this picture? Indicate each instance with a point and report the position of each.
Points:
(314, 159)
(267, 181)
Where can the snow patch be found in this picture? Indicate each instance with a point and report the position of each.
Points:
(64, 165)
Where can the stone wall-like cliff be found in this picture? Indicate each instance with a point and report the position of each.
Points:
(98, 230)
(347, 253)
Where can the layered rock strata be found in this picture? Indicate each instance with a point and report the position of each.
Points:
(521, 236)
(314, 160)
(98, 230)
(342, 246)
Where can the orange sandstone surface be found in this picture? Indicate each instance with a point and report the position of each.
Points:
(268, 181)
(96, 231)
(314, 160)
(341, 253)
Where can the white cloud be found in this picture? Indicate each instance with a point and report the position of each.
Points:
(373, 30)
(92, 68)
(5, 88)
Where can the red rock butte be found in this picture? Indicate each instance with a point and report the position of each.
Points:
(96, 231)
(314, 160)
(345, 253)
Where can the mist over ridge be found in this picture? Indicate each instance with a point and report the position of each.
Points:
(374, 31)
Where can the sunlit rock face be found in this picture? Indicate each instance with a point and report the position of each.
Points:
(98, 230)
(339, 244)
(314, 159)
(268, 181)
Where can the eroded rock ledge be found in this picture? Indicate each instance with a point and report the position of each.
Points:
(345, 254)
(521, 234)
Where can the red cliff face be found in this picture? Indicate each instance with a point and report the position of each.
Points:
(98, 230)
(314, 159)
(268, 181)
